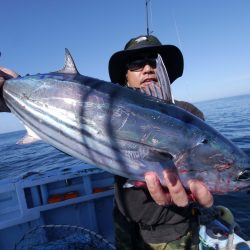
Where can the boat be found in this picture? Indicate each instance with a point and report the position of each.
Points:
(75, 202)
(71, 208)
(221, 231)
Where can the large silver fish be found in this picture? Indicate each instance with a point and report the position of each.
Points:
(123, 131)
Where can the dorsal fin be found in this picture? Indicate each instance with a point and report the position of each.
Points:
(69, 66)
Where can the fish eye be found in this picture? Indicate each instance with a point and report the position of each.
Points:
(204, 141)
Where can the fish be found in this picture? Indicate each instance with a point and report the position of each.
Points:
(124, 132)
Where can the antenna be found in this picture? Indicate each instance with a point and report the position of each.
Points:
(148, 32)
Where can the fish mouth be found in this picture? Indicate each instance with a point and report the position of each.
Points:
(244, 175)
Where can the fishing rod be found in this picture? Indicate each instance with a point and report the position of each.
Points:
(147, 22)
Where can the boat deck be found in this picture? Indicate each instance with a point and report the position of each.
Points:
(81, 195)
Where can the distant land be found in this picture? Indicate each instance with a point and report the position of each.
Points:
(226, 97)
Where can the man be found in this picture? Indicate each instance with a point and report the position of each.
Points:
(147, 223)
(156, 217)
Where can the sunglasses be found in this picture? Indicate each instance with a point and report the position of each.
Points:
(139, 64)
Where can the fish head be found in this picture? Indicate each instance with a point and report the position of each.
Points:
(217, 162)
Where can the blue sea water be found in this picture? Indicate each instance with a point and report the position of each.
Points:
(231, 116)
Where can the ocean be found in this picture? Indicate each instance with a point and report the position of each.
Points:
(230, 116)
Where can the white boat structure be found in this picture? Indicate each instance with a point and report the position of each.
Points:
(71, 208)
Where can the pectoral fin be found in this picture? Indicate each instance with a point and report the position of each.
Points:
(161, 89)
(30, 137)
(163, 80)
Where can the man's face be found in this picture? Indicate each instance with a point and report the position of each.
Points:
(141, 71)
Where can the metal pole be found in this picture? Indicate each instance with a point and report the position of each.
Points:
(147, 16)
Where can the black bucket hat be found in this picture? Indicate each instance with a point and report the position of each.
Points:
(170, 54)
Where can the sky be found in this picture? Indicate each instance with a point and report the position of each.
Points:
(214, 37)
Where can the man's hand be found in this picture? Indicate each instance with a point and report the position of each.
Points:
(175, 193)
(5, 74)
